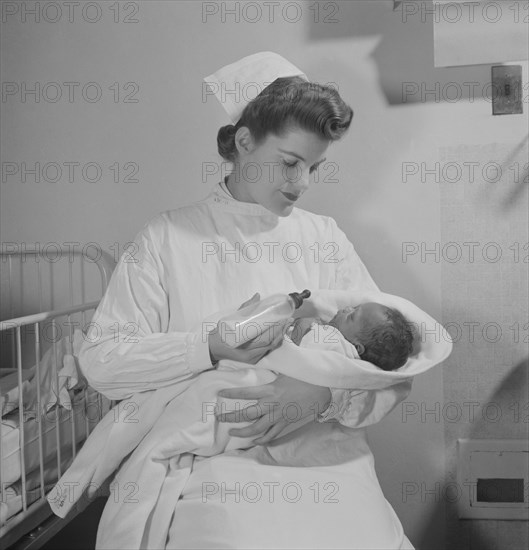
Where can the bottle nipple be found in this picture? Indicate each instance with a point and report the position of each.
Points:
(299, 297)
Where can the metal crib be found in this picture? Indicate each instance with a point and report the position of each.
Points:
(46, 293)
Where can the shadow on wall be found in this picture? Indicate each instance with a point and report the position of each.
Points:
(465, 534)
(506, 199)
(405, 54)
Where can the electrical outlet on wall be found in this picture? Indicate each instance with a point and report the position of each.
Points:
(507, 90)
(493, 478)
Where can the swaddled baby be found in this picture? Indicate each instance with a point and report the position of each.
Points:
(379, 334)
(189, 423)
(180, 420)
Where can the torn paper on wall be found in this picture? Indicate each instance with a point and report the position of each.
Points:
(479, 32)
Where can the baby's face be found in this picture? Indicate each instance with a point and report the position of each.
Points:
(350, 321)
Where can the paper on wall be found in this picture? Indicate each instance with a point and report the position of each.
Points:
(478, 32)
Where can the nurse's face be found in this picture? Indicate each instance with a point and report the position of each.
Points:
(276, 172)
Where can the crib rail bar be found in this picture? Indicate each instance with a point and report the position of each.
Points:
(40, 536)
(39, 408)
(40, 317)
(21, 423)
(72, 416)
(23, 522)
(91, 254)
(55, 369)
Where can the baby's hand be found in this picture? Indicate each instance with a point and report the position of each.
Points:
(300, 327)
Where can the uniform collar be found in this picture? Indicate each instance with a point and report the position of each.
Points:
(221, 197)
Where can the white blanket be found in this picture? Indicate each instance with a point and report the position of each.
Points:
(156, 429)
(58, 373)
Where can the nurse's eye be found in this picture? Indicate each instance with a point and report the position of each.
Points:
(312, 169)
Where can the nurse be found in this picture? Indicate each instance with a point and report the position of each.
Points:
(315, 487)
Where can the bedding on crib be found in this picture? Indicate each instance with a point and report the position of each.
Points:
(69, 410)
(10, 497)
(53, 388)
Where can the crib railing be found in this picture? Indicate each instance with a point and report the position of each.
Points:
(28, 336)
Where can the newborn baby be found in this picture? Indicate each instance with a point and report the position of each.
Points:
(380, 334)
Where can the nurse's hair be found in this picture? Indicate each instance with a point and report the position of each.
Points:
(284, 105)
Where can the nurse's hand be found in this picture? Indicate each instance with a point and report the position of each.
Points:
(251, 351)
(275, 403)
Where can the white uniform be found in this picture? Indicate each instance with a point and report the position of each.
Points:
(209, 256)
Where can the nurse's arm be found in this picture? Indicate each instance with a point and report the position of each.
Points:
(128, 347)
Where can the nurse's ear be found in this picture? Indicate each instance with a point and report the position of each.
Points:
(244, 141)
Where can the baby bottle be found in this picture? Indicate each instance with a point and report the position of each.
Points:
(252, 320)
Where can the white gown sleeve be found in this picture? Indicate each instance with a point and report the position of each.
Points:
(128, 348)
(354, 408)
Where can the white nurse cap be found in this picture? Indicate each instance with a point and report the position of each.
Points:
(235, 85)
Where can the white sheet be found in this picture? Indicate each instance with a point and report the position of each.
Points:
(221, 522)
(53, 387)
(159, 477)
(11, 496)
(10, 434)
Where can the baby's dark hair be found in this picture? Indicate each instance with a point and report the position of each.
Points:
(286, 104)
(389, 344)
